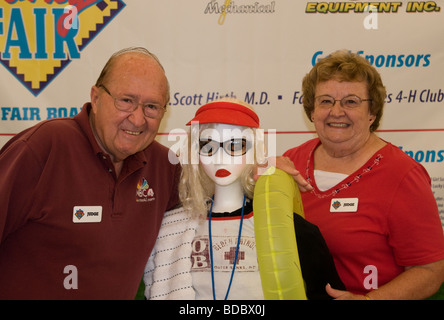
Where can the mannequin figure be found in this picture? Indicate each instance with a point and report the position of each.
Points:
(206, 248)
(216, 192)
(224, 245)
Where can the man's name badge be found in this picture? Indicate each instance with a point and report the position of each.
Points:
(344, 205)
(87, 214)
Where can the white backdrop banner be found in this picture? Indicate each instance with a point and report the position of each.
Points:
(52, 51)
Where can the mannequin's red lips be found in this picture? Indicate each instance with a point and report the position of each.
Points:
(221, 173)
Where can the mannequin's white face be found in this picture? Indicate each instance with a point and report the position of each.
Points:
(225, 164)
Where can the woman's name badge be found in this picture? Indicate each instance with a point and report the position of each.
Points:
(344, 205)
(87, 214)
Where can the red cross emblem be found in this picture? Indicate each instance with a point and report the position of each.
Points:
(230, 255)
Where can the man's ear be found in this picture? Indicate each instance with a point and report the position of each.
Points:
(94, 97)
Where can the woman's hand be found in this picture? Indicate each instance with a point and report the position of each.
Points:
(285, 164)
(342, 295)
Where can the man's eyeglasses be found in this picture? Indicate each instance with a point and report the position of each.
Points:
(129, 105)
(233, 147)
(349, 102)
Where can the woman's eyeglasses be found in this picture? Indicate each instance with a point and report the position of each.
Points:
(349, 102)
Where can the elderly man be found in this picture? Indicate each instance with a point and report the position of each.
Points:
(82, 198)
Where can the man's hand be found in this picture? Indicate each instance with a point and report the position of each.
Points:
(285, 164)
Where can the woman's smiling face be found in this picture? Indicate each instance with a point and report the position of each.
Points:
(339, 126)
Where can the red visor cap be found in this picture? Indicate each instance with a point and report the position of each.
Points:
(226, 112)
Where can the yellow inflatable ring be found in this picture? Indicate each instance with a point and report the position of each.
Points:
(276, 197)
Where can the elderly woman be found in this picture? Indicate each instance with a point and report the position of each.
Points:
(372, 203)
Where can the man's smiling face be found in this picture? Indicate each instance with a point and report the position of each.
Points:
(119, 133)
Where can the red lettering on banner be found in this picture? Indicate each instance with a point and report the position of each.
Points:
(80, 5)
(33, 1)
